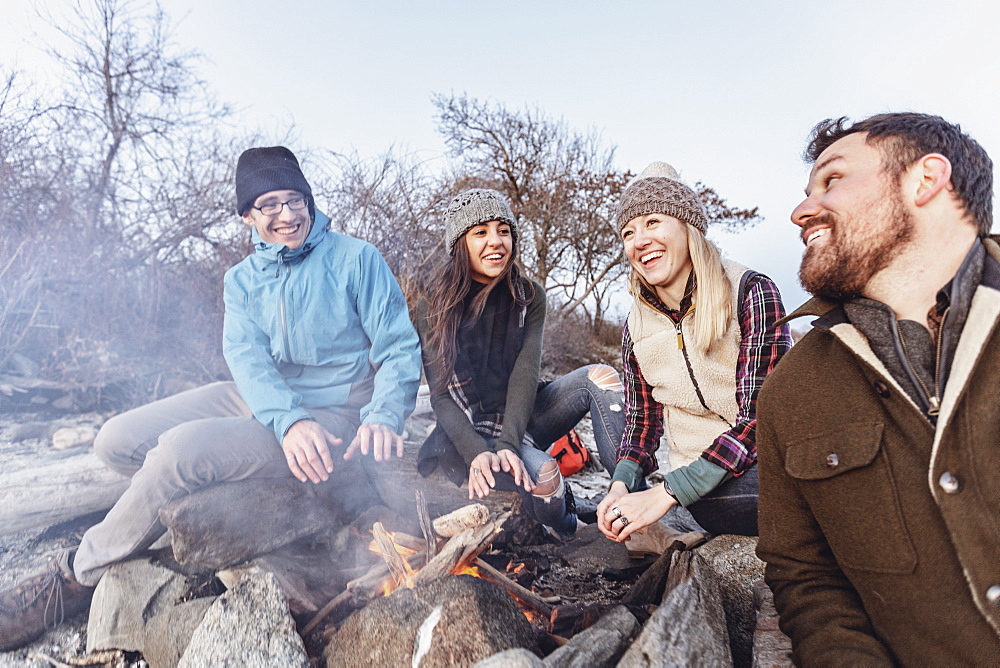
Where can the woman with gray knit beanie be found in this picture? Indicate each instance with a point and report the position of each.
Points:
(698, 342)
(480, 325)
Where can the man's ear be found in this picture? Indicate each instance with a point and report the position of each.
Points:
(247, 218)
(933, 174)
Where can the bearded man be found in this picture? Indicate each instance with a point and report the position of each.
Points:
(879, 432)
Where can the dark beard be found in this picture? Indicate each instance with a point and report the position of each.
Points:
(842, 269)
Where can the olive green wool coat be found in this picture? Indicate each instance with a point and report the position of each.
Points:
(881, 532)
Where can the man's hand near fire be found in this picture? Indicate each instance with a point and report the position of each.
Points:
(307, 450)
(380, 439)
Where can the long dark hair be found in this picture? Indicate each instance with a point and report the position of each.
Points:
(445, 296)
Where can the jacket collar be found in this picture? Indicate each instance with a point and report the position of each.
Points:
(817, 306)
(984, 315)
(271, 252)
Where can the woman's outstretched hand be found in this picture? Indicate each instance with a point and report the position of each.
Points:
(621, 513)
(485, 464)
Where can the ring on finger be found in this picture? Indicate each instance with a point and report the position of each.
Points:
(617, 512)
(475, 470)
(624, 521)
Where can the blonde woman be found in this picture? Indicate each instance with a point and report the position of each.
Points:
(698, 342)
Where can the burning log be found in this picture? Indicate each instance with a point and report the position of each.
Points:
(461, 550)
(456, 555)
(426, 527)
(466, 517)
(398, 568)
(524, 597)
(407, 542)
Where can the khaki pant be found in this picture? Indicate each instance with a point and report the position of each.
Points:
(176, 446)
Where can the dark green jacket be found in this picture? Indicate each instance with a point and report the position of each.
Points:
(520, 388)
(881, 533)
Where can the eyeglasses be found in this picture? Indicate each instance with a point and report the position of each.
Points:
(274, 208)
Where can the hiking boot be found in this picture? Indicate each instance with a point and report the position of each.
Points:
(657, 538)
(40, 602)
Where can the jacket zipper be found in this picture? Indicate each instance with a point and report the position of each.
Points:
(687, 363)
(281, 305)
(933, 400)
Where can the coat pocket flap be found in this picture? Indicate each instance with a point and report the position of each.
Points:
(846, 448)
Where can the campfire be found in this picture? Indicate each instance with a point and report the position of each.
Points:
(450, 545)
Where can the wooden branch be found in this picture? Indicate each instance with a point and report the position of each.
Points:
(466, 517)
(372, 582)
(426, 527)
(409, 542)
(387, 550)
(526, 596)
(326, 610)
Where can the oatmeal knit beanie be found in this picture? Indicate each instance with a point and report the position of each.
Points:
(474, 207)
(263, 169)
(658, 189)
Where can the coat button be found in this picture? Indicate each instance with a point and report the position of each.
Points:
(832, 461)
(881, 389)
(993, 595)
(949, 482)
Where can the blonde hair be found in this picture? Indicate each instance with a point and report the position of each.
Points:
(712, 301)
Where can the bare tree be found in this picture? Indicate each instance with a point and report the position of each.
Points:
(120, 184)
(392, 202)
(561, 185)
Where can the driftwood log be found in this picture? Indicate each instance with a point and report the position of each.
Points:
(232, 522)
(57, 488)
(466, 517)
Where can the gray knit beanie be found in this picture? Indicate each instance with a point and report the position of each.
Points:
(475, 207)
(658, 189)
(263, 169)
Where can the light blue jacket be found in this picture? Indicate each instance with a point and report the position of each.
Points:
(323, 326)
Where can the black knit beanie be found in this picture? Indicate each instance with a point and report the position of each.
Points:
(263, 169)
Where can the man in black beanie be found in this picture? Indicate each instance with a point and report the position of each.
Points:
(324, 361)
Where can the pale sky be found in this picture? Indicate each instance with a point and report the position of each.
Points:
(725, 91)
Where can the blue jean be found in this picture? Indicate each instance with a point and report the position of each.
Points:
(559, 406)
(729, 508)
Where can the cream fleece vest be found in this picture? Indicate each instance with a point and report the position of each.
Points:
(689, 427)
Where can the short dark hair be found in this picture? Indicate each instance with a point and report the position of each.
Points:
(904, 138)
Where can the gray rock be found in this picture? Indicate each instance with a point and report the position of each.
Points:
(249, 625)
(732, 563)
(73, 437)
(600, 645)
(127, 597)
(169, 633)
(689, 627)
(456, 620)
(511, 658)
(771, 647)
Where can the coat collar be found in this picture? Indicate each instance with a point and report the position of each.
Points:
(271, 252)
